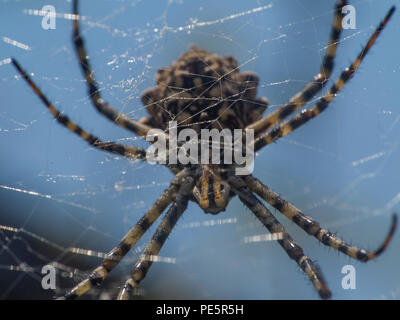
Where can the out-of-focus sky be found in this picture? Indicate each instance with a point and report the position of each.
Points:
(341, 168)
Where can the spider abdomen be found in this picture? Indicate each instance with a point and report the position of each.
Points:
(204, 90)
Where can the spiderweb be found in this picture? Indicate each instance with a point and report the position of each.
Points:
(66, 204)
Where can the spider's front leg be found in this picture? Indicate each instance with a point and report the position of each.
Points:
(129, 240)
(312, 227)
(293, 250)
(144, 263)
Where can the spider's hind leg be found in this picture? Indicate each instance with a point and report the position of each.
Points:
(297, 121)
(103, 107)
(312, 88)
(96, 142)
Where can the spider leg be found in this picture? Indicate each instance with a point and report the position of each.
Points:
(293, 250)
(312, 88)
(288, 126)
(129, 240)
(113, 147)
(312, 227)
(104, 108)
(144, 263)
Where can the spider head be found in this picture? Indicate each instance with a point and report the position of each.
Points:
(211, 191)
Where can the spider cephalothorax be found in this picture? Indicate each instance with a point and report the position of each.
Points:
(211, 190)
(202, 90)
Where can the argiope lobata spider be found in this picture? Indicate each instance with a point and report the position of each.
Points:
(203, 90)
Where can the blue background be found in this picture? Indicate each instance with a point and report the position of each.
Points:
(97, 196)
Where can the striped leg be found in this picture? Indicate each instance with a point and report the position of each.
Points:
(104, 108)
(312, 88)
(113, 147)
(312, 227)
(292, 124)
(144, 263)
(129, 240)
(293, 250)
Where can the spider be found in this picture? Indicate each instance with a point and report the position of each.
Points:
(202, 89)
